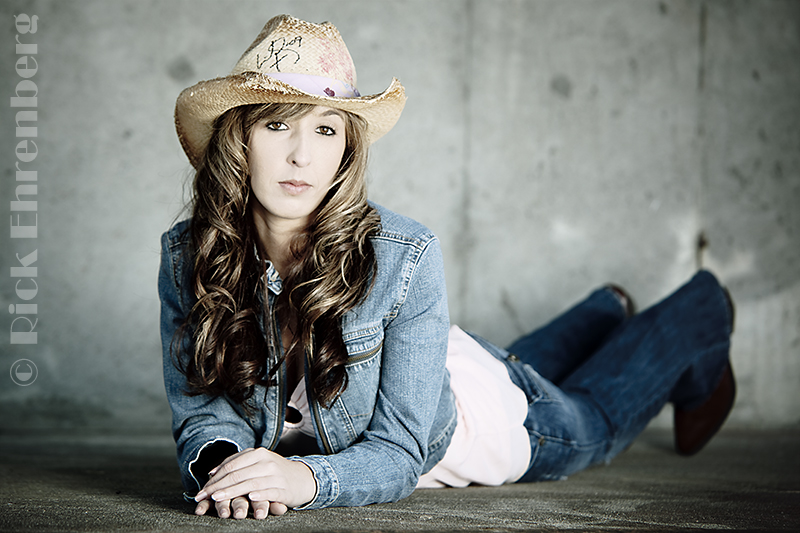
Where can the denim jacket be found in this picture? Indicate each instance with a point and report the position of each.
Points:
(397, 415)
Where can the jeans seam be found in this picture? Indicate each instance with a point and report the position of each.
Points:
(572, 443)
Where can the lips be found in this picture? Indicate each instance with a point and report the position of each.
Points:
(294, 187)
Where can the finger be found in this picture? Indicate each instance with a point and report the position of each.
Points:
(277, 508)
(202, 507)
(269, 494)
(234, 462)
(240, 506)
(262, 489)
(261, 509)
(244, 481)
(223, 508)
(228, 474)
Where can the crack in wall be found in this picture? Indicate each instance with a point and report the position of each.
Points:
(702, 239)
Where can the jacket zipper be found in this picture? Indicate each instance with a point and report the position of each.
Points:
(357, 359)
(315, 404)
(275, 356)
(317, 415)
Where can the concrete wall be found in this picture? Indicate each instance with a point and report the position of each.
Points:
(552, 145)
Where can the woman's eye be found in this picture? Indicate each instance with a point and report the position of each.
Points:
(326, 130)
(276, 126)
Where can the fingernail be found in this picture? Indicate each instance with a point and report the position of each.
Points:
(239, 513)
(260, 513)
(201, 496)
(219, 496)
(212, 471)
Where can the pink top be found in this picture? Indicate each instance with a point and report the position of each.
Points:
(490, 444)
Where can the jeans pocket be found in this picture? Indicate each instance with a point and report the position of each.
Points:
(565, 435)
(528, 380)
(549, 459)
(554, 458)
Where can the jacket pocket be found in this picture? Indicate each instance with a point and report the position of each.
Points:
(364, 348)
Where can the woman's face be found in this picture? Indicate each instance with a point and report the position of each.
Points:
(293, 165)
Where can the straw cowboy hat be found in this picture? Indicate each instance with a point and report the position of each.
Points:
(290, 61)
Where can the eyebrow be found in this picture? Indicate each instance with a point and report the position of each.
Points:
(330, 112)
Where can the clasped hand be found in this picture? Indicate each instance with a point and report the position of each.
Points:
(258, 478)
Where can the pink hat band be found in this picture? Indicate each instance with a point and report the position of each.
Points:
(318, 85)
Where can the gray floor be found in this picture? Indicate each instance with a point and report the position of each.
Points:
(743, 480)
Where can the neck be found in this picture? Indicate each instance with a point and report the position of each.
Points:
(275, 238)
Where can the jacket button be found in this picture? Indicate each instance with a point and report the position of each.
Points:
(513, 358)
(541, 441)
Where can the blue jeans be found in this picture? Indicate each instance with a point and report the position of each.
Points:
(594, 379)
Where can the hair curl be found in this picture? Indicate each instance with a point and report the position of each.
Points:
(331, 270)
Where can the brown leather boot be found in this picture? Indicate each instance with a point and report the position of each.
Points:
(693, 429)
(624, 298)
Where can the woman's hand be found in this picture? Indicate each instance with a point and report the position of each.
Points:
(239, 507)
(258, 478)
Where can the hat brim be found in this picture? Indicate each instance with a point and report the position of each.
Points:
(198, 106)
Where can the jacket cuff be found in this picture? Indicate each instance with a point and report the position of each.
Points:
(209, 456)
(324, 477)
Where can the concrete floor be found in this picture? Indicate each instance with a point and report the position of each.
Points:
(742, 480)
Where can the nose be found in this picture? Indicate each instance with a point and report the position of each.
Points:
(300, 152)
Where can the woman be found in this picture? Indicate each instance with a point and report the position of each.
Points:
(308, 355)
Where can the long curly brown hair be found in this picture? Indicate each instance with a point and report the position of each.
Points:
(331, 269)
